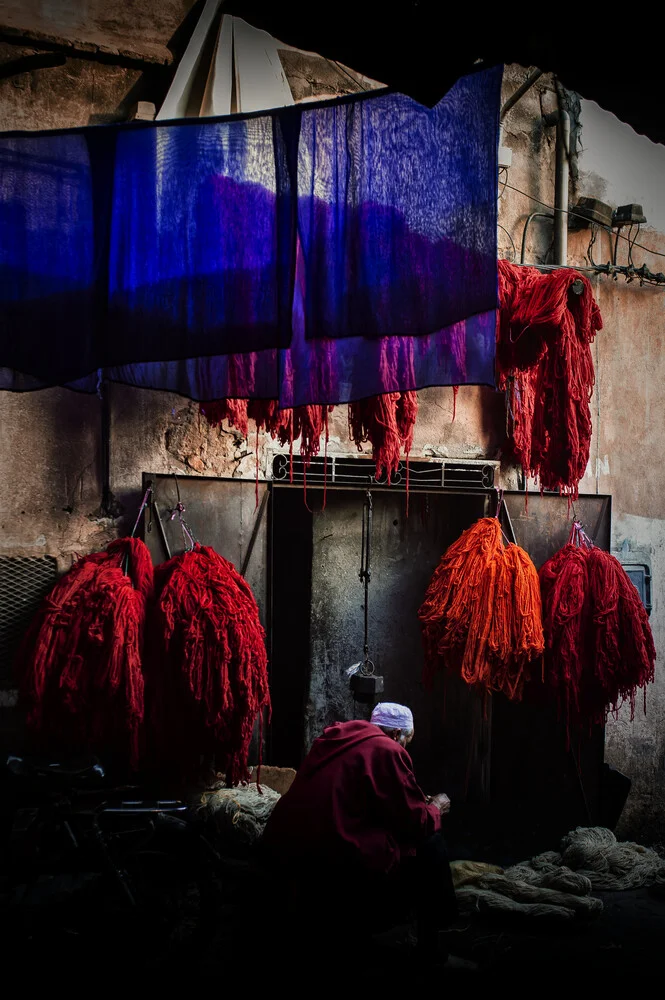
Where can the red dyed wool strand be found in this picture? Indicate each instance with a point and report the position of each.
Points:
(388, 423)
(564, 583)
(234, 411)
(544, 362)
(208, 668)
(80, 665)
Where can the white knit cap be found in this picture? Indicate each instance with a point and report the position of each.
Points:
(391, 716)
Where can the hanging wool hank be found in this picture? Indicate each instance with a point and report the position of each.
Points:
(481, 615)
(599, 644)
(80, 665)
(544, 364)
(388, 423)
(208, 676)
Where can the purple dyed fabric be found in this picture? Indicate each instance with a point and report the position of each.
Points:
(315, 254)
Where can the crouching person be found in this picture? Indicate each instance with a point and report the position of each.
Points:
(355, 831)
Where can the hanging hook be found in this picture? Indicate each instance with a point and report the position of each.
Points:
(187, 533)
(499, 501)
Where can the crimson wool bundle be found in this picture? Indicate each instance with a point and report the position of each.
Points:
(388, 423)
(481, 615)
(80, 665)
(599, 644)
(544, 363)
(208, 678)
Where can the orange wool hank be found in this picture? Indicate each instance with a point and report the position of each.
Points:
(482, 614)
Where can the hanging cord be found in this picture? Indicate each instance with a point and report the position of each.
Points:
(578, 536)
(146, 500)
(365, 575)
(178, 511)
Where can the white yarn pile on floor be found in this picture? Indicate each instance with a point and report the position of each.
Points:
(557, 885)
(521, 892)
(239, 814)
(609, 864)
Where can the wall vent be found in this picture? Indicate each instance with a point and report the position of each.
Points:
(24, 582)
(341, 470)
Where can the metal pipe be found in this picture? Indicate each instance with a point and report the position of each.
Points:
(534, 75)
(561, 178)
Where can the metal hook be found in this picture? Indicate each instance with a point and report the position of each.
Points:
(499, 501)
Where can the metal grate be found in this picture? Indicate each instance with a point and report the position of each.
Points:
(347, 471)
(24, 582)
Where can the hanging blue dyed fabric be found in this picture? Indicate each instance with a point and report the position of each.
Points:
(314, 254)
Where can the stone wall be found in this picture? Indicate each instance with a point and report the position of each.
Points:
(50, 441)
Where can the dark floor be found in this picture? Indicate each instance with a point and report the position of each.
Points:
(625, 944)
(628, 939)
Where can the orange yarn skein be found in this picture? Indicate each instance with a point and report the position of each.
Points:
(482, 613)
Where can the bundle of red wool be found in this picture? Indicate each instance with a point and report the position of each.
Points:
(481, 615)
(80, 665)
(544, 362)
(599, 644)
(387, 422)
(207, 677)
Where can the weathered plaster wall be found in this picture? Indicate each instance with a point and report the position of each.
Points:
(49, 441)
(628, 407)
(137, 27)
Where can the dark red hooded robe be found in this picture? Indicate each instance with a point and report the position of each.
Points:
(354, 803)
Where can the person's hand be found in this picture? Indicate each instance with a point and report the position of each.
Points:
(441, 801)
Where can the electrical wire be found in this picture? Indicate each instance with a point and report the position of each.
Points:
(503, 170)
(634, 242)
(577, 215)
(589, 251)
(512, 241)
